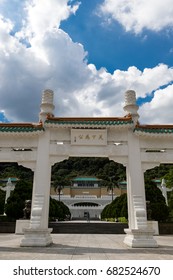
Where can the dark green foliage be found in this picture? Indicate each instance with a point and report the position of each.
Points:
(102, 168)
(169, 177)
(16, 201)
(58, 210)
(59, 183)
(14, 170)
(158, 172)
(152, 192)
(106, 213)
(118, 208)
(170, 203)
(23, 191)
(159, 209)
(2, 201)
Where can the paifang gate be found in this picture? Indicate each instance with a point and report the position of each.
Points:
(124, 140)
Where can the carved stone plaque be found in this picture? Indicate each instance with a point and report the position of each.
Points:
(89, 137)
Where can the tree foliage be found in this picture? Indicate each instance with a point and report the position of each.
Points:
(158, 207)
(169, 178)
(102, 168)
(23, 191)
(8, 170)
(2, 201)
(16, 201)
(117, 208)
(58, 210)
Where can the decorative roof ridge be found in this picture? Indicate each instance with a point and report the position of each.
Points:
(126, 118)
(32, 125)
(154, 130)
(154, 126)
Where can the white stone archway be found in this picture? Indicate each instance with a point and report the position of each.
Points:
(124, 140)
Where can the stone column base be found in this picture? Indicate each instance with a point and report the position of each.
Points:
(154, 226)
(20, 225)
(36, 237)
(140, 238)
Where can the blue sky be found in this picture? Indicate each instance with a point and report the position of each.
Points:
(123, 49)
(89, 53)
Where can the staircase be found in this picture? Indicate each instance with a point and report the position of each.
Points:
(84, 227)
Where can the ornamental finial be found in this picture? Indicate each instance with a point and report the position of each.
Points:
(47, 106)
(130, 105)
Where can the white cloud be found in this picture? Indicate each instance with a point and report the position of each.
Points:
(80, 89)
(136, 15)
(10, 44)
(55, 61)
(147, 81)
(159, 110)
(43, 16)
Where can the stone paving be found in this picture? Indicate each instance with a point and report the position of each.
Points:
(85, 247)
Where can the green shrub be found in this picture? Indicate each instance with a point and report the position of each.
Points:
(23, 191)
(157, 205)
(16, 202)
(2, 201)
(159, 211)
(117, 208)
(122, 220)
(58, 210)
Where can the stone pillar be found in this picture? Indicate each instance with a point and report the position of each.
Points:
(38, 233)
(138, 234)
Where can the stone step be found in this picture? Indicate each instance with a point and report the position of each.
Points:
(88, 227)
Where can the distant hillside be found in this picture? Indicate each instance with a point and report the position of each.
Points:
(102, 168)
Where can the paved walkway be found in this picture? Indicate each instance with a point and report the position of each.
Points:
(85, 247)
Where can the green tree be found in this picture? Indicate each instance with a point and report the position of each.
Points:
(111, 186)
(59, 183)
(158, 207)
(117, 208)
(169, 178)
(102, 168)
(2, 201)
(14, 170)
(16, 202)
(58, 210)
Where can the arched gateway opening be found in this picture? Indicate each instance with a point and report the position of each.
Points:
(123, 140)
(87, 184)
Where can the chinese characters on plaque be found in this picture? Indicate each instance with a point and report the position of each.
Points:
(88, 136)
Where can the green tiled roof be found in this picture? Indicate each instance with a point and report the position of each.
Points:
(89, 121)
(156, 180)
(13, 179)
(122, 183)
(20, 128)
(79, 179)
(155, 129)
